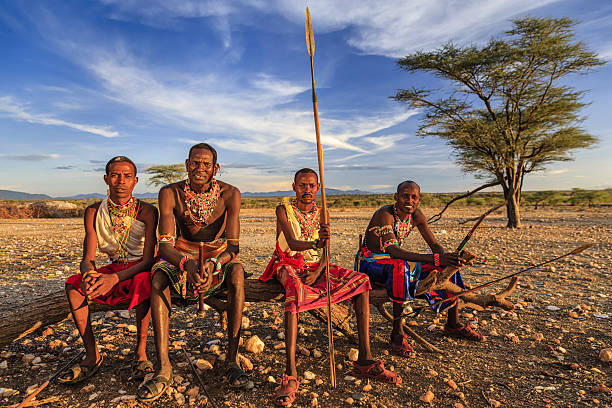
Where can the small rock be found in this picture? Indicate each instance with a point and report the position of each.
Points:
(131, 328)
(458, 405)
(427, 397)
(271, 379)
(452, 384)
(432, 373)
(88, 388)
(349, 401)
(315, 353)
(358, 396)
(47, 332)
(494, 403)
(605, 355)
(245, 363)
(31, 389)
(4, 364)
(8, 392)
(109, 314)
(203, 364)
(304, 351)
(538, 336)
(552, 308)
(246, 323)
(353, 354)
(349, 378)
(126, 351)
(254, 345)
(193, 391)
(179, 398)
(36, 360)
(28, 358)
(53, 344)
(124, 314)
(93, 396)
(367, 388)
(574, 315)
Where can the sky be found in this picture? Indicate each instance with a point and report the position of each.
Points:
(81, 82)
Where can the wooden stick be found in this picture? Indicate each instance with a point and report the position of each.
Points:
(33, 395)
(36, 403)
(310, 45)
(201, 266)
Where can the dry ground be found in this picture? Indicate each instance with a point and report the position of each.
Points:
(537, 356)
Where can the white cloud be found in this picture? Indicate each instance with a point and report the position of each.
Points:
(392, 28)
(18, 111)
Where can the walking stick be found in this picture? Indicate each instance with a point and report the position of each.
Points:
(198, 377)
(33, 395)
(310, 45)
(201, 266)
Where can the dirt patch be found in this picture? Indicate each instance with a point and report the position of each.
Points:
(543, 354)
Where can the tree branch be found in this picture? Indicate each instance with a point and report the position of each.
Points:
(438, 216)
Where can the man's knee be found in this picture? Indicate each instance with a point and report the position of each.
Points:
(159, 282)
(236, 276)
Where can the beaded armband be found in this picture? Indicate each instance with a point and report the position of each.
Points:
(216, 262)
(389, 242)
(184, 259)
(166, 239)
(380, 231)
(436, 259)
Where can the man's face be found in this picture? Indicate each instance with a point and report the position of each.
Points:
(121, 180)
(306, 187)
(199, 166)
(408, 198)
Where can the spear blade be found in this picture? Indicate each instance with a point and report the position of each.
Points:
(310, 44)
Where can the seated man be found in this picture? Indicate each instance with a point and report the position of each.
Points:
(407, 275)
(206, 211)
(296, 264)
(123, 228)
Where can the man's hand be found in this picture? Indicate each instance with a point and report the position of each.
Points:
(312, 276)
(200, 284)
(324, 235)
(452, 259)
(99, 284)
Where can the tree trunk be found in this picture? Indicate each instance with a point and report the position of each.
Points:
(513, 212)
(20, 321)
(512, 193)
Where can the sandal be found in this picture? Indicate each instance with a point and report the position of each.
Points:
(376, 371)
(404, 349)
(79, 373)
(464, 332)
(285, 395)
(233, 374)
(140, 368)
(153, 389)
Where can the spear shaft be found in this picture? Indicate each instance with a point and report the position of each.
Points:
(325, 218)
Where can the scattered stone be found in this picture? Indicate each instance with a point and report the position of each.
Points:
(271, 379)
(605, 355)
(309, 375)
(179, 398)
(452, 384)
(538, 336)
(246, 323)
(494, 403)
(109, 314)
(304, 351)
(28, 358)
(47, 332)
(493, 333)
(349, 401)
(315, 353)
(8, 392)
(31, 389)
(367, 388)
(427, 397)
(358, 396)
(88, 388)
(53, 344)
(126, 351)
(349, 378)
(254, 345)
(124, 314)
(245, 363)
(93, 396)
(353, 354)
(193, 391)
(4, 365)
(132, 328)
(203, 364)
(552, 308)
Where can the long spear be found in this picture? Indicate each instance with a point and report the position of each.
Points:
(484, 285)
(310, 45)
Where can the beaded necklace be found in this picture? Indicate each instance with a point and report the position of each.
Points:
(401, 228)
(201, 205)
(122, 218)
(309, 220)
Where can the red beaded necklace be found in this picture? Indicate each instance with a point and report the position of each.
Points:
(401, 228)
(201, 205)
(308, 220)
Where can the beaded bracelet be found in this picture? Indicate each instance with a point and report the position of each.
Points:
(184, 259)
(166, 239)
(87, 273)
(436, 259)
(389, 242)
(216, 262)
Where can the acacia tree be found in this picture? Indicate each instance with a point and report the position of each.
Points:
(508, 111)
(166, 174)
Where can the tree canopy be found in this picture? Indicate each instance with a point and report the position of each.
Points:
(509, 110)
(164, 174)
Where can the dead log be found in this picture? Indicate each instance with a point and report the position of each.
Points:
(22, 320)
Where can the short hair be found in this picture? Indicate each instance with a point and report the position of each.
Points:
(400, 185)
(204, 146)
(305, 170)
(120, 159)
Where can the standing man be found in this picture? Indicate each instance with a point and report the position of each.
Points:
(206, 211)
(297, 265)
(123, 228)
(407, 275)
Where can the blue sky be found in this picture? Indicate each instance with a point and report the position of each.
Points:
(81, 82)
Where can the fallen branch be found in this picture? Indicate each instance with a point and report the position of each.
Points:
(438, 216)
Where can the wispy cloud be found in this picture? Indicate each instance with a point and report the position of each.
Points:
(29, 157)
(10, 107)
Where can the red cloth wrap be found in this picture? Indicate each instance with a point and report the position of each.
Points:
(344, 283)
(135, 290)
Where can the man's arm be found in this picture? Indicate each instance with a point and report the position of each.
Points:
(105, 282)
(295, 244)
(232, 225)
(90, 245)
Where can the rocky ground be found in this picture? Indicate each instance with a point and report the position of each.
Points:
(546, 353)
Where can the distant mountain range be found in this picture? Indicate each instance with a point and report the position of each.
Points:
(17, 195)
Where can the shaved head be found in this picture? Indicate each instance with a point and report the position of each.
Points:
(407, 183)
